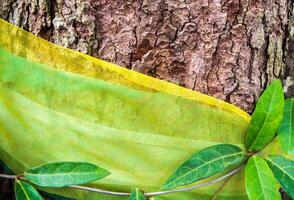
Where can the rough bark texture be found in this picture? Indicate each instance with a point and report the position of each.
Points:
(225, 48)
(230, 49)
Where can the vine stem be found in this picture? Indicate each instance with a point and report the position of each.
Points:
(101, 191)
(8, 176)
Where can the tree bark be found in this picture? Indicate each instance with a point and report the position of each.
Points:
(228, 49)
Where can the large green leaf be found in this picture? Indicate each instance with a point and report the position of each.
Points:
(260, 181)
(283, 170)
(62, 174)
(24, 191)
(286, 129)
(137, 194)
(266, 117)
(205, 163)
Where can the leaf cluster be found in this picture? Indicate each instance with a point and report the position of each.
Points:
(263, 175)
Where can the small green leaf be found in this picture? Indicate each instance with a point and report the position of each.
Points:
(24, 191)
(283, 170)
(260, 181)
(286, 129)
(205, 163)
(137, 194)
(266, 117)
(62, 174)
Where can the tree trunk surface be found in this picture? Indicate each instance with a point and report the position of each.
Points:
(229, 49)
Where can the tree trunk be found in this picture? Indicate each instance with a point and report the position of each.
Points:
(225, 48)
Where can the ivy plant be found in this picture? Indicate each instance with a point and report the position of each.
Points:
(264, 175)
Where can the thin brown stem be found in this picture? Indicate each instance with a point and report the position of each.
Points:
(8, 176)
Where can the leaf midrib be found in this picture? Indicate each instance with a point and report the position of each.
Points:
(268, 113)
(137, 194)
(62, 174)
(257, 170)
(24, 191)
(206, 163)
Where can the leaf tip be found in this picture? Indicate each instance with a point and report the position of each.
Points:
(106, 172)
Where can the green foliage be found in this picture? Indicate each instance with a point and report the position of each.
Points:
(62, 174)
(266, 117)
(260, 181)
(286, 129)
(205, 163)
(283, 170)
(24, 191)
(137, 194)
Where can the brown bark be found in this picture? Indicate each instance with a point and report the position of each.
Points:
(230, 49)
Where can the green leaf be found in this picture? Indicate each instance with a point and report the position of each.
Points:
(260, 181)
(205, 163)
(62, 174)
(24, 191)
(137, 194)
(155, 198)
(266, 117)
(283, 170)
(286, 129)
